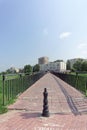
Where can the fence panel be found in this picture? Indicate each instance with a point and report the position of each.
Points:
(11, 88)
(79, 82)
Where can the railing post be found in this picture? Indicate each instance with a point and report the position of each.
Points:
(45, 112)
(76, 79)
(3, 89)
(86, 89)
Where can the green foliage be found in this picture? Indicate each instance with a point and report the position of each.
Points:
(58, 61)
(72, 70)
(28, 69)
(11, 101)
(80, 65)
(84, 66)
(8, 71)
(77, 81)
(13, 87)
(3, 109)
(36, 68)
(68, 66)
(77, 65)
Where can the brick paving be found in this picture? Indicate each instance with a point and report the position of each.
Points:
(67, 107)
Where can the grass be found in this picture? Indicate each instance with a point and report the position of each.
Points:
(84, 75)
(79, 74)
(4, 109)
(79, 82)
(11, 101)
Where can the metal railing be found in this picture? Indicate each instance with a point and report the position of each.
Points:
(77, 81)
(11, 88)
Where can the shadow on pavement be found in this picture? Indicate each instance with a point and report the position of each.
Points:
(30, 115)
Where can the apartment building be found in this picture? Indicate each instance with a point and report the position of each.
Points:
(53, 66)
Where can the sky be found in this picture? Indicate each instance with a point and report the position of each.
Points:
(30, 29)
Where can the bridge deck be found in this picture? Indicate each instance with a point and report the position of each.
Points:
(67, 107)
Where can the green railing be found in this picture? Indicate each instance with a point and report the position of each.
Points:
(11, 88)
(79, 82)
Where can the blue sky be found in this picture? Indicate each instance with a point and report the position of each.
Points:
(30, 29)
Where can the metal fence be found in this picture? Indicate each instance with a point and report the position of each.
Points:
(11, 88)
(79, 82)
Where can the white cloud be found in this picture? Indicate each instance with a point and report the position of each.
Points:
(82, 45)
(45, 31)
(64, 35)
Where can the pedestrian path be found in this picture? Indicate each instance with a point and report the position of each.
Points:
(67, 107)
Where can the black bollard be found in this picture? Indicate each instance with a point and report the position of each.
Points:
(45, 105)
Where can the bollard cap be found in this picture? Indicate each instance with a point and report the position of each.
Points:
(45, 89)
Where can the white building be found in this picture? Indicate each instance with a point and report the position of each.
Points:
(53, 66)
(13, 70)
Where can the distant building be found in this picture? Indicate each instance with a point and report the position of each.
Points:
(58, 66)
(43, 60)
(17, 70)
(13, 70)
(72, 61)
(53, 66)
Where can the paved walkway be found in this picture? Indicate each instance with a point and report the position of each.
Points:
(67, 108)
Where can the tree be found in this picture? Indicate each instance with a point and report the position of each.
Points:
(21, 70)
(68, 65)
(8, 71)
(84, 66)
(58, 61)
(77, 65)
(36, 68)
(28, 69)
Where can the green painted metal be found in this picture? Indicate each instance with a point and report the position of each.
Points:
(12, 88)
